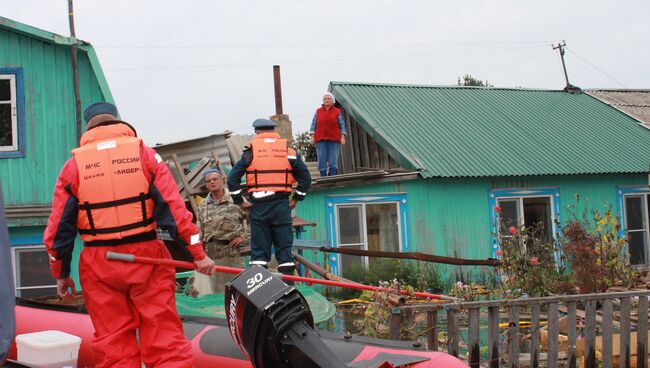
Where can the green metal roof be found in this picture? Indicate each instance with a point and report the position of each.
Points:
(449, 131)
(46, 36)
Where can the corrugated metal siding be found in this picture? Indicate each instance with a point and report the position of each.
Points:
(451, 217)
(470, 132)
(49, 109)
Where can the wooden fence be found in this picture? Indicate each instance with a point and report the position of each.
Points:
(598, 317)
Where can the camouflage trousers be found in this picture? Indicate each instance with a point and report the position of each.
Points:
(223, 255)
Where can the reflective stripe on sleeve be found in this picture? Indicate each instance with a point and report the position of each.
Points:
(195, 239)
(301, 193)
(235, 192)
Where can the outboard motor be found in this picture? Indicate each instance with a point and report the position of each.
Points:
(272, 324)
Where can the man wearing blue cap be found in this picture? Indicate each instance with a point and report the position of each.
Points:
(271, 169)
(114, 192)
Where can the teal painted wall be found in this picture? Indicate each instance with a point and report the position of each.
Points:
(50, 129)
(451, 217)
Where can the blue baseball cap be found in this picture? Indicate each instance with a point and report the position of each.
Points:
(99, 108)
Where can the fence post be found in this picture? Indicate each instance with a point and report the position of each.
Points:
(608, 317)
(513, 336)
(395, 323)
(590, 334)
(625, 332)
(534, 336)
(552, 350)
(493, 337)
(452, 332)
(571, 332)
(474, 342)
(432, 330)
(642, 333)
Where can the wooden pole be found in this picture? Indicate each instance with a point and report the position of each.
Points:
(75, 69)
(415, 256)
(186, 185)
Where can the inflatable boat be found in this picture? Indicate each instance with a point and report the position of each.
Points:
(213, 345)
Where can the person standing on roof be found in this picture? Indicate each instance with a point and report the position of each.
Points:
(115, 191)
(328, 134)
(271, 169)
(223, 232)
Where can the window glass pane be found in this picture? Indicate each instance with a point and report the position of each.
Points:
(537, 215)
(637, 240)
(6, 133)
(5, 90)
(349, 218)
(509, 212)
(382, 227)
(33, 268)
(351, 266)
(634, 212)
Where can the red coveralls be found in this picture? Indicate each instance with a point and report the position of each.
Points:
(122, 297)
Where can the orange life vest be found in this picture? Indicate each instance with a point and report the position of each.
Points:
(114, 199)
(270, 169)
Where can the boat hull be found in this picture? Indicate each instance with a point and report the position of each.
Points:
(211, 342)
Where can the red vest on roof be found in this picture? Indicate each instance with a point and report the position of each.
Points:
(327, 124)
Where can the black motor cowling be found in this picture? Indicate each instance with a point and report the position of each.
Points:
(272, 324)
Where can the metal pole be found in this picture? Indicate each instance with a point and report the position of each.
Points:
(75, 69)
(278, 89)
(560, 46)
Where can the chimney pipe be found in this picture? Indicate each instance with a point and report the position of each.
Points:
(278, 89)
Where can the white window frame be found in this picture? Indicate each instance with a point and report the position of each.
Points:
(14, 113)
(14, 258)
(520, 209)
(364, 227)
(646, 225)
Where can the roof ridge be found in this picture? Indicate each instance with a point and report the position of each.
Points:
(413, 85)
(39, 33)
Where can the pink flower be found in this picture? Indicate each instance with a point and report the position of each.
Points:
(497, 209)
(499, 252)
(513, 230)
(534, 261)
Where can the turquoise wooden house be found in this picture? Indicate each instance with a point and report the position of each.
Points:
(425, 166)
(37, 132)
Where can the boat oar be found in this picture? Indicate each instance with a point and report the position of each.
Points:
(124, 257)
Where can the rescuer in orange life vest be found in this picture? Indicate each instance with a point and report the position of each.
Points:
(271, 169)
(115, 191)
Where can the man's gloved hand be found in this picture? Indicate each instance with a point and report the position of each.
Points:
(65, 287)
(205, 266)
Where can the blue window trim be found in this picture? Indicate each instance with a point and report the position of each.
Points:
(332, 201)
(621, 191)
(495, 194)
(20, 112)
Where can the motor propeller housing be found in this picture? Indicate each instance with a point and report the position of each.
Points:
(272, 324)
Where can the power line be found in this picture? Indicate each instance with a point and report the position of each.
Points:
(597, 68)
(321, 61)
(148, 47)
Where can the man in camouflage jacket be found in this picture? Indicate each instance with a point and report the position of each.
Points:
(223, 232)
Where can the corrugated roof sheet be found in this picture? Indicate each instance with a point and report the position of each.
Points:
(632, 102)
(449, 131)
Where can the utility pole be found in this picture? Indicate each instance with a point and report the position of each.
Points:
(277, 84)
(569, 87)
(75, 69)
(560, 46)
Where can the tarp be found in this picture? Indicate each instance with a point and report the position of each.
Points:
(7, 293)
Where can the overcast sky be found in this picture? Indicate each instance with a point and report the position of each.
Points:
(184, 69)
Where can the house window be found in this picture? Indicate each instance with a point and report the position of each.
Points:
(8, 118)
(633, 206)
(536, 209)
(32, 272)
(11, 113)
(375, 223)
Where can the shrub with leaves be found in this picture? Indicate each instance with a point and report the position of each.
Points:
(596, 253)
(527, 262)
